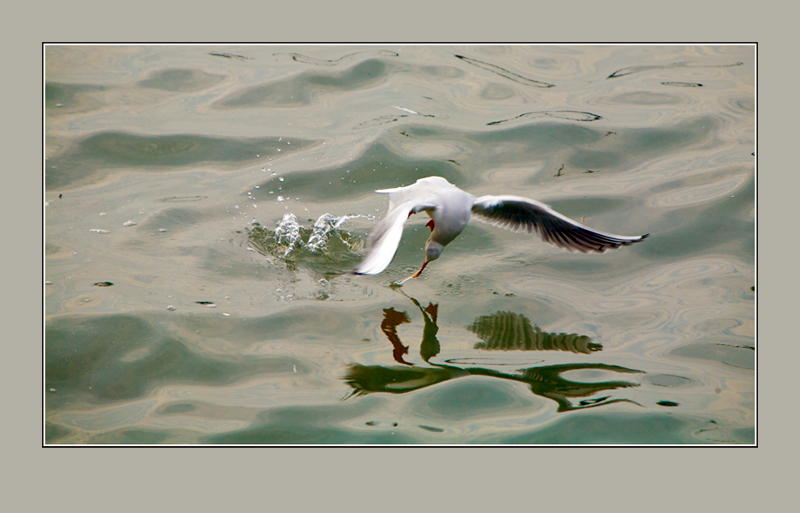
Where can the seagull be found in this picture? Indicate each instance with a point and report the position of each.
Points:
(450, 209)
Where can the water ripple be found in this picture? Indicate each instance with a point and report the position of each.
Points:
(333, 62)
(505, 73)
(685, 64)
(700, 189)
(303, 89)
(570, 115)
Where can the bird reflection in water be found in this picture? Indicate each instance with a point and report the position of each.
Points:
(501, 331)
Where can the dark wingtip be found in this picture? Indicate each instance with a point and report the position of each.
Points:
(643, 237)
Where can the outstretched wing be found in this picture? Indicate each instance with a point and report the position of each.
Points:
(522, 214)
(403, 201)
(383, 241)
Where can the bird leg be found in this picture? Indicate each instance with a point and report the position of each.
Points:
(430, 225)
(416, 274)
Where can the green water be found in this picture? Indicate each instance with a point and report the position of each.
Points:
(169, 169)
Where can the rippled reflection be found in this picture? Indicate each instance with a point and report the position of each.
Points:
(505, 331)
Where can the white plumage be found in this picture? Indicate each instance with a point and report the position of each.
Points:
(450, 209)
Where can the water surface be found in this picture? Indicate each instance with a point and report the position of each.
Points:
(204, 204)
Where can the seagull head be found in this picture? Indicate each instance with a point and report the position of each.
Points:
(433, 250)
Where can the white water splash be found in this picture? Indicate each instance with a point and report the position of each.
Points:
(288, 232)
(323, 227)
